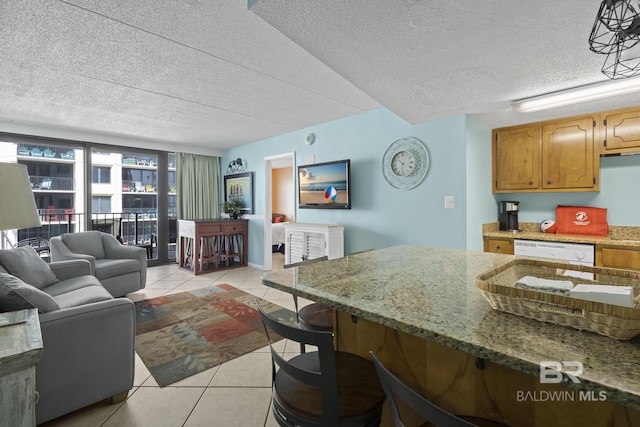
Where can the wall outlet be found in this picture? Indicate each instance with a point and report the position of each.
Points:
(449, 202)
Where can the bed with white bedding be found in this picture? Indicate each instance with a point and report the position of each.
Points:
(277, 233)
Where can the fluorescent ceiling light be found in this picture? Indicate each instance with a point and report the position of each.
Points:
(577, 95)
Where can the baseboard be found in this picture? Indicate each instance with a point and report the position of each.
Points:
(257, 266)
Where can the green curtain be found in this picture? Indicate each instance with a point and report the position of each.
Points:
(198, 182)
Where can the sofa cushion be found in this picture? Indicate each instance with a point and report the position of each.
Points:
(107, 268)
(88, 242)
(17, 295)
(71, 284)
(26, 264)
(2, 270)
(82, 296)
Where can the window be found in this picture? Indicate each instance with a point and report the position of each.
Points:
(101, 204)
(101, 175)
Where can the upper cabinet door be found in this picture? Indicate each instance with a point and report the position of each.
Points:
(622, 132)
(568, 155)
(516, 159)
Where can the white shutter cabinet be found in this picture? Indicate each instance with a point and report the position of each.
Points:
(304, 241)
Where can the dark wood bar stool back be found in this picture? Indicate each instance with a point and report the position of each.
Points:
(434, 415)
(323, 387)
(315, 316)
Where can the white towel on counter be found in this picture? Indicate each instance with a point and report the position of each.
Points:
(545, 285)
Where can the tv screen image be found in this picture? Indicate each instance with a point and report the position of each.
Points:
(325, 185)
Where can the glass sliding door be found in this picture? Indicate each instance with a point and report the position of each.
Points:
(56, 173)
(172, 207)
(125, 193)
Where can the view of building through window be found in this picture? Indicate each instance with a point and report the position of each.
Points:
(123, 193)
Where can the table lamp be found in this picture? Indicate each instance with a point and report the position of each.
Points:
(17, 205)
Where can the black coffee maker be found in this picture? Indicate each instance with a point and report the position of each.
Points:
(508, 215)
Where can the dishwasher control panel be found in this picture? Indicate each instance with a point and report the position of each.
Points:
(569, 252)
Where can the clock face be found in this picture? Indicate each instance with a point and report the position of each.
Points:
(405, 163)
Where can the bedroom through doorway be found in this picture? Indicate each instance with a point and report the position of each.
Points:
(280, 206)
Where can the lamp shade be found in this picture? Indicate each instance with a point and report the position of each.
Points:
(17, 205)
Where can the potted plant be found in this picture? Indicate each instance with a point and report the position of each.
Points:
(233, 207)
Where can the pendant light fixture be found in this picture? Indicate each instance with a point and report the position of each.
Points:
(616, 34)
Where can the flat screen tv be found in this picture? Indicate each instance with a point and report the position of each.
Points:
(325, 185)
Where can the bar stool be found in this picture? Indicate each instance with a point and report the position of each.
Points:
(208, 251)
(320, 388)
(393, 387)
(315, 316)
(230, 248)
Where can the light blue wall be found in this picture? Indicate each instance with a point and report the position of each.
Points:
(460, 152)
(481, 206)
(380, 216)
(619, 189)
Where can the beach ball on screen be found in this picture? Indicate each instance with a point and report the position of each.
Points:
(331, 193)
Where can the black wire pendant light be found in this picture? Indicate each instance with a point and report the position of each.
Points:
(616, 33)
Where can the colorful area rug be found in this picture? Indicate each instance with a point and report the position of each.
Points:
(182, 334)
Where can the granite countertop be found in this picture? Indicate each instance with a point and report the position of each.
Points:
(625, 236)
(431, 293)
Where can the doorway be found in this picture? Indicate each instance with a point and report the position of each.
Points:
(280, 198)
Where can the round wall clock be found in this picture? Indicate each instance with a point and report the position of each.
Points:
(405, 163)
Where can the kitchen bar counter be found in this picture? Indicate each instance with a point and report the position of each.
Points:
(431, 293)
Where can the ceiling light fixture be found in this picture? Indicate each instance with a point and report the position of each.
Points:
(616, 33)
(576, 95)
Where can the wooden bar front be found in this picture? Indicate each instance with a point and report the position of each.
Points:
(190, 233)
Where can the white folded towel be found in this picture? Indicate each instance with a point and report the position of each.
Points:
(608, 294)
(545, 285)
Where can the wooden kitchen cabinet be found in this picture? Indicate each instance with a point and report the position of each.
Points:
(558, 155)
(621, 132)
(570, 159)
(617, 257)
(499, 246)
(517, 154)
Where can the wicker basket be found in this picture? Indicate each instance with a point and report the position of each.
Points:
(623, 323)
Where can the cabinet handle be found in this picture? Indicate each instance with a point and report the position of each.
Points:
(549, 181)
(498, 247)
(530, 182)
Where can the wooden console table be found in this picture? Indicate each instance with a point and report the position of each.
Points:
(190, 232)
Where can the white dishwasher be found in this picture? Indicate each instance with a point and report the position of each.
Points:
(573, 253)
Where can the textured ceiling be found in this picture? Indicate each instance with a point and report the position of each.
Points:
(428, 59)
(197, 73)
(206, 75)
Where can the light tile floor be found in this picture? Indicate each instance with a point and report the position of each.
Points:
(235, 393)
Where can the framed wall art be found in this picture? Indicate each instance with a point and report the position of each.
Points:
(240, 186)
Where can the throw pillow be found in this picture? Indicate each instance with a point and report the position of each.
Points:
(17, 295)
(26, 264)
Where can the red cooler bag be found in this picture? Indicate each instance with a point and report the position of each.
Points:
(582, 220)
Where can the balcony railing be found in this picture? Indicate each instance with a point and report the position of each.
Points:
(48, 183)
(45, 152)
(130, 228)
